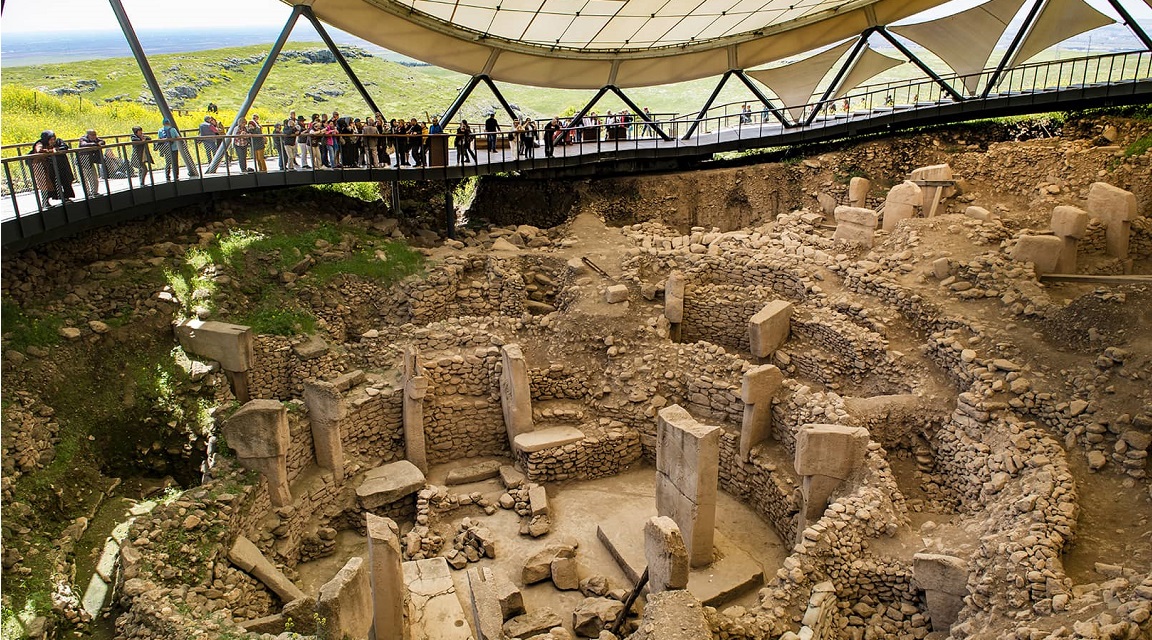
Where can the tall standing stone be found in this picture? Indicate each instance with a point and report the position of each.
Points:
(389, 594)
(326, 408)
(855, 225)
(674, 303)
(345, 602)
(1116, 208)
(258, 434)
(858, 189)
(231, 345)
(667, 557)
(1069, 224)
(937, 183)
(415, 388)
(769, 328)
(944, 580)
(757, 388)
(826, 454)
(687, 476)
(515, 392)
(902, 203)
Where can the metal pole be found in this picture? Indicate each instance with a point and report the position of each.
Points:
(1132, 24)
(449, 210)
(739, 73)
(639, 112)
(708, 104)
(832, 86)
(265, 68)
(1016, 40)
(453, 108)
(588, 107)
(339, 56)
(919, 63)
(142, 60)
(499, 96)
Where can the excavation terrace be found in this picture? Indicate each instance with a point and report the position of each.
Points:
(896, 390)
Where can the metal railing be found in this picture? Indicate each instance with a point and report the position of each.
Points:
(121, 166)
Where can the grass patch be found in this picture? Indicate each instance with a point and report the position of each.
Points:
(1140, 147)
(387, 264)
(272, 317)
(366, 191)
(23, 329)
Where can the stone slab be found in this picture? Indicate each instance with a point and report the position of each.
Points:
(434, 610)
(229, 344)
(547, 438)
(106, 566)
(830, 450)
(345, 601)
(735, 574)
(248, 558)
(95, 595)
(769, 327)
(259, 429)
(476, 472)
(388, 483)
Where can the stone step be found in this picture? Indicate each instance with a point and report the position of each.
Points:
(547, 438)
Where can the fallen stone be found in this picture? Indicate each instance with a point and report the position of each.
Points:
(388, 483)
(511, 477)
(539, 567)
(594, 615)
(565, 573)
(538, 499)
(616, 293)
(473, 472)
(530, 624)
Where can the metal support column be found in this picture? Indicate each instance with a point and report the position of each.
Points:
(588, 107)
(708, 103)
(1012, 48)
(449, 211)
(919, 63)
(339, 57)
(1132, 24)
(850, 62)
(142, 60)
(739, 73)
(395, 197)
(453, 108)
(499, 97)
(265, 68)
(639, 113)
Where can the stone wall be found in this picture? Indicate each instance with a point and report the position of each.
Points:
(280, 366)
(604, 451)
(769, 489)
(719, 313)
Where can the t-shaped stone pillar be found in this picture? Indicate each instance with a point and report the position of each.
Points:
(1115, 207)
(415, 388)
(758, 386)
(902, 202)
(687, 476)
(515, 392)
(769, 328)
(1068, 224)
(345, 602)
(858, 191)
(389, 595)
(229, 344)
(326, 408)
(826, 454)
(674, 303)
(944, 580)
(258, 433)
(855, 225)
(666, 555)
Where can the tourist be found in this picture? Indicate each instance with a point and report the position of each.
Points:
(529, 138)
(464, 139)
(141, 155)
(370, 141)
(212, 108)
(302, 146)
(400, 142)
(745, 114)
(168, 143)
(382, 141)
(242, 142)
(316, 147)
(287, 144)
(88, 159)
(207, 134)
(416, 142)
(278, 142)
(257, 136)
(52, 173)
(551, 130)
(491, 126)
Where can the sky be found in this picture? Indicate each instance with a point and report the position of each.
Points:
(23, 16)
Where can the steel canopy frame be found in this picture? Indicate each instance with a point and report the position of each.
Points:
(627, 101)
(473, 82)
(308, 13)
(739, 73)
(1132, 24)
(1016, 40)
(956, 95)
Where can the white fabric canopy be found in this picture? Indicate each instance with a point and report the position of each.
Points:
(965, 40)
(1058, 21)
(795, 83)
(586, 44)
(867, 65)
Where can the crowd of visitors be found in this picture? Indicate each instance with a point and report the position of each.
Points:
(321, 141)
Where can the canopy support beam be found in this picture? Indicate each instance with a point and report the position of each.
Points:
(308, 13)
(1012, 48)
(849, 62)
(739, 73)
(1132, 24)
(588, 107)
(920, 63)
(473, 82)
(640, 113)
(708, 104)
(265, 69)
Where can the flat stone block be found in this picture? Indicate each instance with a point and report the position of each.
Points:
(229, 344)
(247, 557)
(538, 499)
(1042, 251)
(259, 429)
(830, 450)
(769, 327)
(531, 624)
(856, 215)
(434, 610)
(547, 438)
(474, 472)
(616, 293)
(511, 477)
(1069, 222)
(388, 483)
